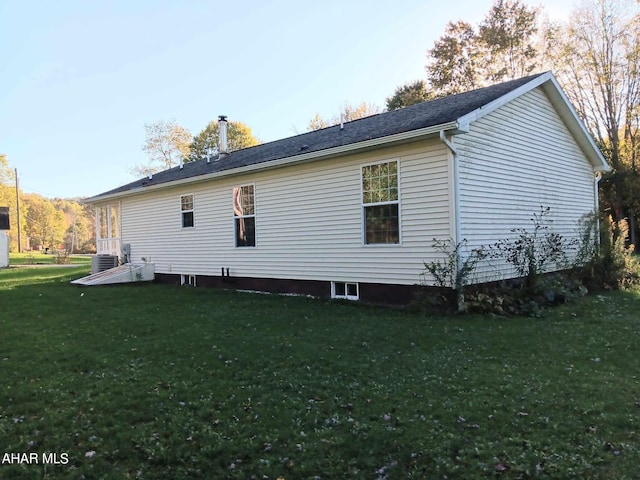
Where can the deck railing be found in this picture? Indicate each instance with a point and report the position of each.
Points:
(108, 246)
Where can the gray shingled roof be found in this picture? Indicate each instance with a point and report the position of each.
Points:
(414, 117)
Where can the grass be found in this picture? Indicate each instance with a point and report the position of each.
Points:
(161, 382)
(39, 258)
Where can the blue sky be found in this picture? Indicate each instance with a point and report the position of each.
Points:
(80, 78)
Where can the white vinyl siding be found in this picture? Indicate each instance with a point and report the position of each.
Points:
(513, 162)
(309, 221)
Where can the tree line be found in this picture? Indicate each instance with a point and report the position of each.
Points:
(167, 144)
(46, 224)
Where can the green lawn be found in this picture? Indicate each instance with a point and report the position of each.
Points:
(39, 258)
(162, 382)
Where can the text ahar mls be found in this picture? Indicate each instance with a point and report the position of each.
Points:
(33, 458)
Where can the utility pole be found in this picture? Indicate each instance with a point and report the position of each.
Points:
(18, 208)
(74, 236)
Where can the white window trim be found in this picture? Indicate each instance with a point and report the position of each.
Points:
(234, 217)
(193, 209)
(346, 295)
(187, 279)
(363, 225)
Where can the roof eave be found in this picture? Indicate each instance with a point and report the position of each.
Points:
(452, 127)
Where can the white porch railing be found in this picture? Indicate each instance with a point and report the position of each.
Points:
(108, 246)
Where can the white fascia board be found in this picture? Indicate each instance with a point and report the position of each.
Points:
(452, 127)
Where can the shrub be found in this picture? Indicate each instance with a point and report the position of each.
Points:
(601, 260)
(607, 263)
(533, 251)
(456, 270)
(62, 257)
(514, 297)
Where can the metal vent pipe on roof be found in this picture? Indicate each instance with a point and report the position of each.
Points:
(222, 136)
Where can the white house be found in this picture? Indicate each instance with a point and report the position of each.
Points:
(352, 210)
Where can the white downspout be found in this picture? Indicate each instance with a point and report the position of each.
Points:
(456, 187)
(596, 205)
(456, 209)
(596, 200)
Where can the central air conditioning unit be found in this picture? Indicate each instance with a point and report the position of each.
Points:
(100, 263)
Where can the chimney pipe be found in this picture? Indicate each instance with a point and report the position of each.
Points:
(222, 137)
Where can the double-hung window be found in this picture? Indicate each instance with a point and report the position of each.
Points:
(186, 207)
(380, 203)
(244, 215)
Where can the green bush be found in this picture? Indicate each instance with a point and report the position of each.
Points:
(533, 251)
(607, 263)
(601, 260)
(455, 271)
(515, 297)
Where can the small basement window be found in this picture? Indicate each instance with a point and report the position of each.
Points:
(188, 280)
(346, 290)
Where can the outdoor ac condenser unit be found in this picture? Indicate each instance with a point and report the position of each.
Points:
(100, 263)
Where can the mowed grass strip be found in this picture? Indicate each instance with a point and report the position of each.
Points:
(39, 258)
(162, 382)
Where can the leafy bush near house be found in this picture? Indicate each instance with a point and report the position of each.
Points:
(455, 271)
(600, 261)
(607, 263)
(515, 297)
(534, 251)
